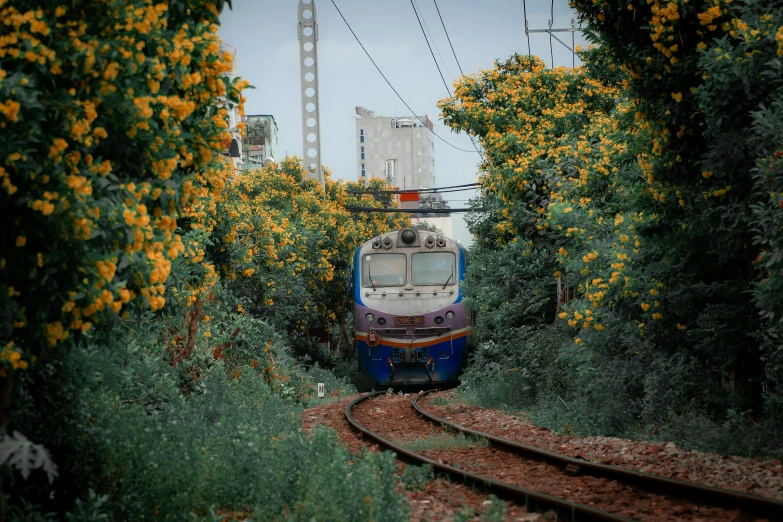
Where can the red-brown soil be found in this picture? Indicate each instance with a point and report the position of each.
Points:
(393, 417)
(441, 500)
(763, 477)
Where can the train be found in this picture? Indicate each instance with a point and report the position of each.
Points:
(411, 326)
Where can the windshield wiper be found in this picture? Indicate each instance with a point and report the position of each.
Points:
(447, 280)
(369, 273)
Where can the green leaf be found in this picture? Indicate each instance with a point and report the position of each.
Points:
(26, 456)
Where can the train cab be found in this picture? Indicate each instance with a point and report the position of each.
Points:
(411, 326)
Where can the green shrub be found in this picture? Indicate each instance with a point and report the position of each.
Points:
(416, 477)
(225, 443)
(648, 183)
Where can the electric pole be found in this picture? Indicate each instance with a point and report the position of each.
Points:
(308, 67)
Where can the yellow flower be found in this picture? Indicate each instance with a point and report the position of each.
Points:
(645, 306)
(657, 316)
(682, 326)
(707, 174)
(677, 96)
(10, 109)
(21, 241)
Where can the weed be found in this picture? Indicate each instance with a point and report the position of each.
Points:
(445, 441)
(440, 401)
(495, 510)
(416, 477)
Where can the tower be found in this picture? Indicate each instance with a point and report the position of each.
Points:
(308, 68)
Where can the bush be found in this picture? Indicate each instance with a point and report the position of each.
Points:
(111, 114)
(623, 181)
(158, 449)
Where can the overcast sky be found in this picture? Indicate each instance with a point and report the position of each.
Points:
(482, 31)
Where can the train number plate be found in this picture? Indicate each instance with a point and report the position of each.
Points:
(409, 320)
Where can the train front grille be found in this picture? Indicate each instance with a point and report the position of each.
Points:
(421, 355)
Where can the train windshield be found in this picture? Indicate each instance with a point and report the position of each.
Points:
(384, 270)
(434, 268)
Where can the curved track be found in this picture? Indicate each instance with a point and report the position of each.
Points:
(761, 506)
(690, 491)
(534, 501)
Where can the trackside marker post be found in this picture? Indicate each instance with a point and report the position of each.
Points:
(320, 390)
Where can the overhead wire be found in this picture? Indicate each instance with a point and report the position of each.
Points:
(355, 208)
(449, 39)
(436, 190)
(435, 45)
(551, 23)
(437, 65)
(392, 86)
(442, 23)
(430, 48)
(524, 12)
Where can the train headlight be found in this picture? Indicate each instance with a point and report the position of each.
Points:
(370, 318)
(381, 321)
(408, 237)
(449, 315)
(438, 320)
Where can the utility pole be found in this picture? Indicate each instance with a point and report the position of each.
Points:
(307, 32)
(573, 29)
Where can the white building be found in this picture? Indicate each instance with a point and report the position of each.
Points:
(401, 150)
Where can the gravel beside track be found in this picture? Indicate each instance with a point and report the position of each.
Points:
(441, 500)
(394, 418)
(762, 477)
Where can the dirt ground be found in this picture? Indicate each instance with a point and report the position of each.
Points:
(441, 500)
(763, 477)
(393, 417)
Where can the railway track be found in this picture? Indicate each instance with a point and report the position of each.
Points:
(717, 503)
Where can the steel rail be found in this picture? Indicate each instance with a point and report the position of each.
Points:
(710, 495)
(530, 499)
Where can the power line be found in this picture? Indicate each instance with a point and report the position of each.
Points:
(438, 66)
(422, 193)
(524, 12)
(458, 65)
(353, 208)
(449, 39)
(389, 83)
(551, 23)
(467, 186)
(435, 45)
(446, 85)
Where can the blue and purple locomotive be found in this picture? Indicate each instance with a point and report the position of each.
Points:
(411, 325)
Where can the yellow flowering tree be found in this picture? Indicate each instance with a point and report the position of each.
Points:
(556, 141)
(649, 181)
(706, 81)
(285, 244)
(112, 114)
